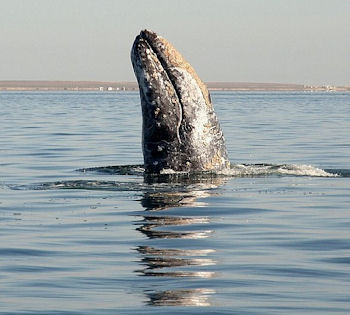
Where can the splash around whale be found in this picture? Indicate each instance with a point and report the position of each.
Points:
(180, 132)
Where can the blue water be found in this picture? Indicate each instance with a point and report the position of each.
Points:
(80, 238)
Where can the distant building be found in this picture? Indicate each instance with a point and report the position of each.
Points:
(109, 88)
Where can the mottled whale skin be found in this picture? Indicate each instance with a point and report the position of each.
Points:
(180, 131)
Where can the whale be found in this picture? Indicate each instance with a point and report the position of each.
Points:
(180, 130)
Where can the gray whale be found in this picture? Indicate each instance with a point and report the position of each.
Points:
(180, 131)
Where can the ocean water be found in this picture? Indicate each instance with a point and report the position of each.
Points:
(83, 232)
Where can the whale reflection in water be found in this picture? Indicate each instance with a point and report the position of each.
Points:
(170, 252)
(155, 201)
(194, 297)
(155, 259)
(150, 223)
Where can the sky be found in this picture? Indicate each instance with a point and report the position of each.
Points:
(276, 41)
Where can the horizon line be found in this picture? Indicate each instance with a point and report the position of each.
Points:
(90, 85)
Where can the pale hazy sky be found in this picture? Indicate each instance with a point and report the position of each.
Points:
(290, 41)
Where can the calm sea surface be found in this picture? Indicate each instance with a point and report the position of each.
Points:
(77, 237)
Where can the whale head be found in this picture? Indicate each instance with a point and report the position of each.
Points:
(180, 130)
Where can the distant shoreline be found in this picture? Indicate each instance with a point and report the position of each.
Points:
(12, 85)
